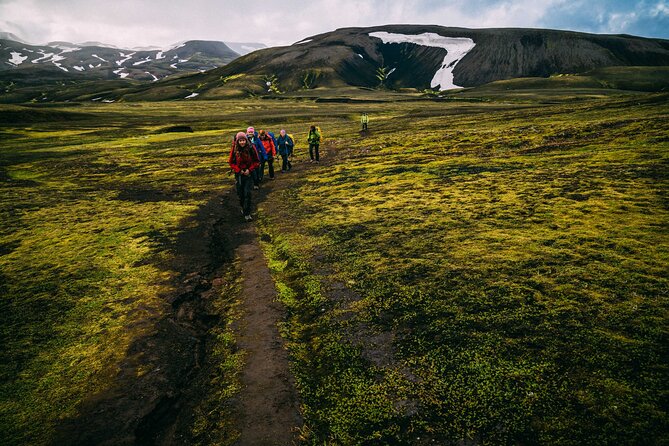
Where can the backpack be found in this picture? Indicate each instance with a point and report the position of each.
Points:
(318, 130)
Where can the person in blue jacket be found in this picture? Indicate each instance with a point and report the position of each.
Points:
(258, 173)
(285, 145)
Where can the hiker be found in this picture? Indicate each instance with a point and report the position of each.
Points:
(244, 161)
(270, 150)
(364, 120)
(259, 173)
(314, 140)
(285, 145)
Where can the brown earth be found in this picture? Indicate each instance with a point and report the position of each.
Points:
(268, 402)
(156, 407)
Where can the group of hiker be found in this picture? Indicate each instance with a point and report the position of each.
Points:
(252, 150)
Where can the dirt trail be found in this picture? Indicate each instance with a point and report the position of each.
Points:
(157, 408)
(268, 404)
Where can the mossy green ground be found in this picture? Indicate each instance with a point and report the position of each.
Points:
(493, 271)
(509, 269)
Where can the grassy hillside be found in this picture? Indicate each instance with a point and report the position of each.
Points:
(487, 274)
(213, 85)
(493, 272)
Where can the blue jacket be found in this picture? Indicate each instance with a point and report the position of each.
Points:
(262, 155)
(271, 135)
(285, 145)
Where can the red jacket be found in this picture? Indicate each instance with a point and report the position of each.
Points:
(270, 148)
(246, 159)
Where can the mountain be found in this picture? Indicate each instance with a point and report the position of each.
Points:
(244, 48)
(10, 36)
(418, 56)
(94, 60)
(412, 57)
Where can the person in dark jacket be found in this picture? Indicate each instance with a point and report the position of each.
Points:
(285, 145)
(244, 161)
(314, 140)
(259, 173)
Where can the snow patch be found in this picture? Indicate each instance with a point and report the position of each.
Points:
(303, 42)
(67, 49)
(126, 57)
(107, 101)
(90, 66)
(391, 71)
(154, 76)
(98, 57)
(192, 95)
(173, 66)
(456, 48)
(361, 56)
(57, 58)
(25, 49)
(44, 56)
(148, 59)
(17, 58)
(160, 55)
(78, 68)
(120, 74)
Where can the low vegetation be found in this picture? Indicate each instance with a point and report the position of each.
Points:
(481, 274)
(489, 271)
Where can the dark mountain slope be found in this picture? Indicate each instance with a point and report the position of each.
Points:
(350, 56)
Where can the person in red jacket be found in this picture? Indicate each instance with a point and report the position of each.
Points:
(270, 150)
(243, 161)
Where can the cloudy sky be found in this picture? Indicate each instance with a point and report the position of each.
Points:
(129, 23)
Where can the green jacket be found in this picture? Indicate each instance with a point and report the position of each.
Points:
(314, 137)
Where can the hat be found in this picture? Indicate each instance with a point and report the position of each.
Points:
(240, 135)
(250, 130)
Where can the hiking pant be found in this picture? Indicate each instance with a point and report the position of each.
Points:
(313, 148)
(286, 165)
(259, 173)
(244, 186)
(270, 165)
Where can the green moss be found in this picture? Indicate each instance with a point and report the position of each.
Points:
(508, 253)
(493, 271)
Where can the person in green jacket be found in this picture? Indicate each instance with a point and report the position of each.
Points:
(314, 140)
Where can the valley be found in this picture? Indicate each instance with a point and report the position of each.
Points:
(483, 266)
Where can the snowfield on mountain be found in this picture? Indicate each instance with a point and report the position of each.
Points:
(456, 47)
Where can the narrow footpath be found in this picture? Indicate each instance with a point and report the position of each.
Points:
(268, 404)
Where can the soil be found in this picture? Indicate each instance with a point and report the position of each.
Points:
(155, 407)
(268, 403)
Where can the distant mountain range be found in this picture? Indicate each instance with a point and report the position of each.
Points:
(413, 57)
(423, 56)
(95, 60)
